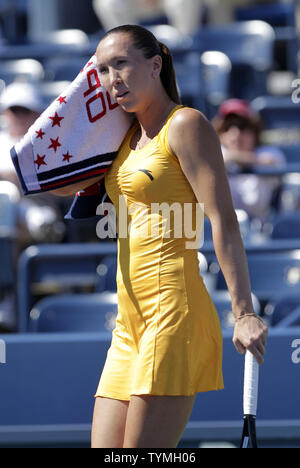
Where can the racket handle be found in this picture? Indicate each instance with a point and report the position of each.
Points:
(251, 375)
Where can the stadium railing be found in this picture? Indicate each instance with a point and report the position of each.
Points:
(286, 226)
(277, 112)
(271, 274)
(49, 380)
(292, 320)
(282, 307)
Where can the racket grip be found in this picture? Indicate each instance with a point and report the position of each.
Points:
(251, 375)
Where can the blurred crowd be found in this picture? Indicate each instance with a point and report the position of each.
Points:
(185, 15)
(40, 218)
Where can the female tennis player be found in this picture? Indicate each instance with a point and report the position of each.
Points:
(167, 344)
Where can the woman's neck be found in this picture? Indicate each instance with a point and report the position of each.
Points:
(154, 115)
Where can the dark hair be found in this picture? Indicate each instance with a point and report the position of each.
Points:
(144, 40)
(254, 123)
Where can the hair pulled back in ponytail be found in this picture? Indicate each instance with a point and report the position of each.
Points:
(144, 40)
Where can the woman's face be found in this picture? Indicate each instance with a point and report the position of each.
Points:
(126, 74)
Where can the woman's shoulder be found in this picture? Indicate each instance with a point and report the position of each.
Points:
(189, 124)
(186, 113)
(188, 118)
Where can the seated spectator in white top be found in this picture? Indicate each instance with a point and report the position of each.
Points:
(20, 106)
(239, 129)
(40, 217)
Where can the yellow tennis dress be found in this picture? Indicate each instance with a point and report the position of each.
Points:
(168, 339)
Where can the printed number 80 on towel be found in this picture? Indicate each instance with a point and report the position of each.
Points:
(92, 105)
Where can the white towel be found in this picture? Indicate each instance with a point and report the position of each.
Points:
(75, 139)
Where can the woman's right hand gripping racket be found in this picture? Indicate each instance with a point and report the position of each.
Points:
(250, 401)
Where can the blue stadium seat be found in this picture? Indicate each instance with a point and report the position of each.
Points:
(290, 193)
(286, 48)
(203, 79)
(248, 42)
(292, 41)
(271, 274)
(291, 152)
(7, 273)
(216, 69)
(56, 269)
(74, 313)
(286, 226)
(282, 307)
(277, 14)
(190, 80)
(249, 46)
(9, 198)
(23, 69)
(281, 16)
(277, 112)
(207, 230)
(292, 320)
(107, 273)
(222, 303)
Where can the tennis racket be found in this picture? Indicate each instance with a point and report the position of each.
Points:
(251, 375)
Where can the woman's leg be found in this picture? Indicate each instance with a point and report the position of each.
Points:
(156, 421)
(109, 423)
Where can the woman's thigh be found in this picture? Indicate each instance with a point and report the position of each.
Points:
(109, 423)
(156, 421)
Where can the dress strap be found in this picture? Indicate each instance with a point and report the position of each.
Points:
(163, 135)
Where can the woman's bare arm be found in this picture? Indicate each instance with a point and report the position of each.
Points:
(197, 146)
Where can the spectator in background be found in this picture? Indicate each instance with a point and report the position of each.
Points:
(239, 129)
(20, 105)
(184, 15)
(40, 218)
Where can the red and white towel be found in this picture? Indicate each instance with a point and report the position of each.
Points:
(75, 139)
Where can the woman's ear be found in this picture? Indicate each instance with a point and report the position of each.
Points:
(156, 66)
